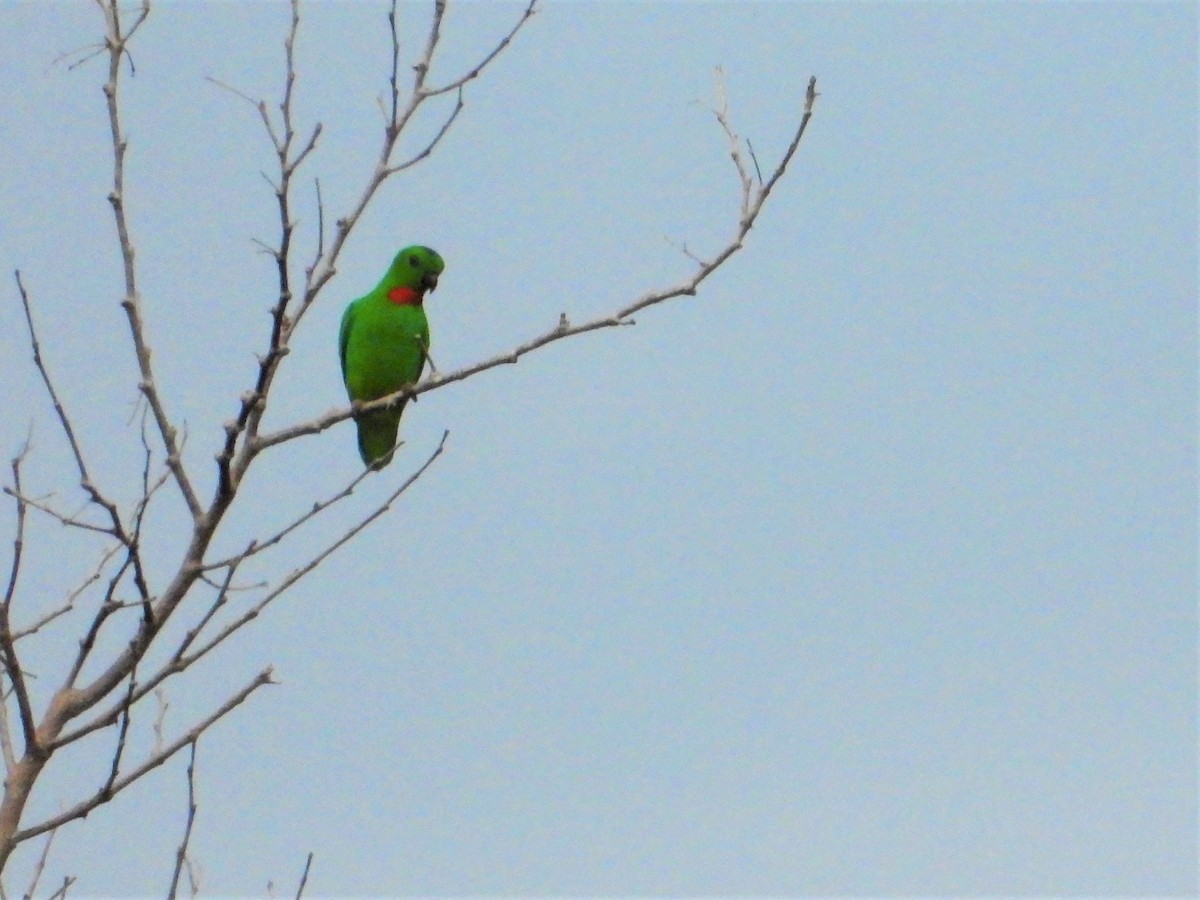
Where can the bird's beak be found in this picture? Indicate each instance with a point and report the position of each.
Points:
(429, 282)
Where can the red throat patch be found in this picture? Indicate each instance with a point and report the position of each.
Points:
(404, 296)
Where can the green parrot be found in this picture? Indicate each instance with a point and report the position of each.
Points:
(383, 345)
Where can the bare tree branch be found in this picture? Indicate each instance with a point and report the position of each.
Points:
(429, 148)
(117, 529)
(85, 479)
(116, 42)
(810, 98)
(108, 791)
(62, 518)
(149, 488)
(457, 84)
(253, 403)
(12, 666)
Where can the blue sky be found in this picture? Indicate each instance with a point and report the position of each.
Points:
(871, 570)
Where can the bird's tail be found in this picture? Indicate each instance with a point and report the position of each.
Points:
(377, 436)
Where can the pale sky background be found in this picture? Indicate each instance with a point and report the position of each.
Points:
(869, 571)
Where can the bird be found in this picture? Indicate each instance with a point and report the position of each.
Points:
(383, 344)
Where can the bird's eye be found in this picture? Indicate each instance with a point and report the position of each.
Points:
(414, 261)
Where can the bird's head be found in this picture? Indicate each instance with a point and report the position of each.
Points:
(416, 268)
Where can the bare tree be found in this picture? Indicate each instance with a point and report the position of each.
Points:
(125, 651)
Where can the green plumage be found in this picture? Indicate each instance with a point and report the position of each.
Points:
(383, 345)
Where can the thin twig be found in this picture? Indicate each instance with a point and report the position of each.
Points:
(810, 99)
(258, 546)
(233, 588)
(754, 159)
(195, 873)
(31, 891)
(721, 110)
(126, 716)
(304, 876)
(69, 603)
(181, 851)
(320, 221)
(219, 601)
(44, 620)
(139, 516)
(108, 606)
(85, 53)
(437, 138)
(683, 248)
(62, 518)
(474, 73)
(228, 87)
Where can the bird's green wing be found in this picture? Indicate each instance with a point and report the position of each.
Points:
(344, 335)
(423, 339)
